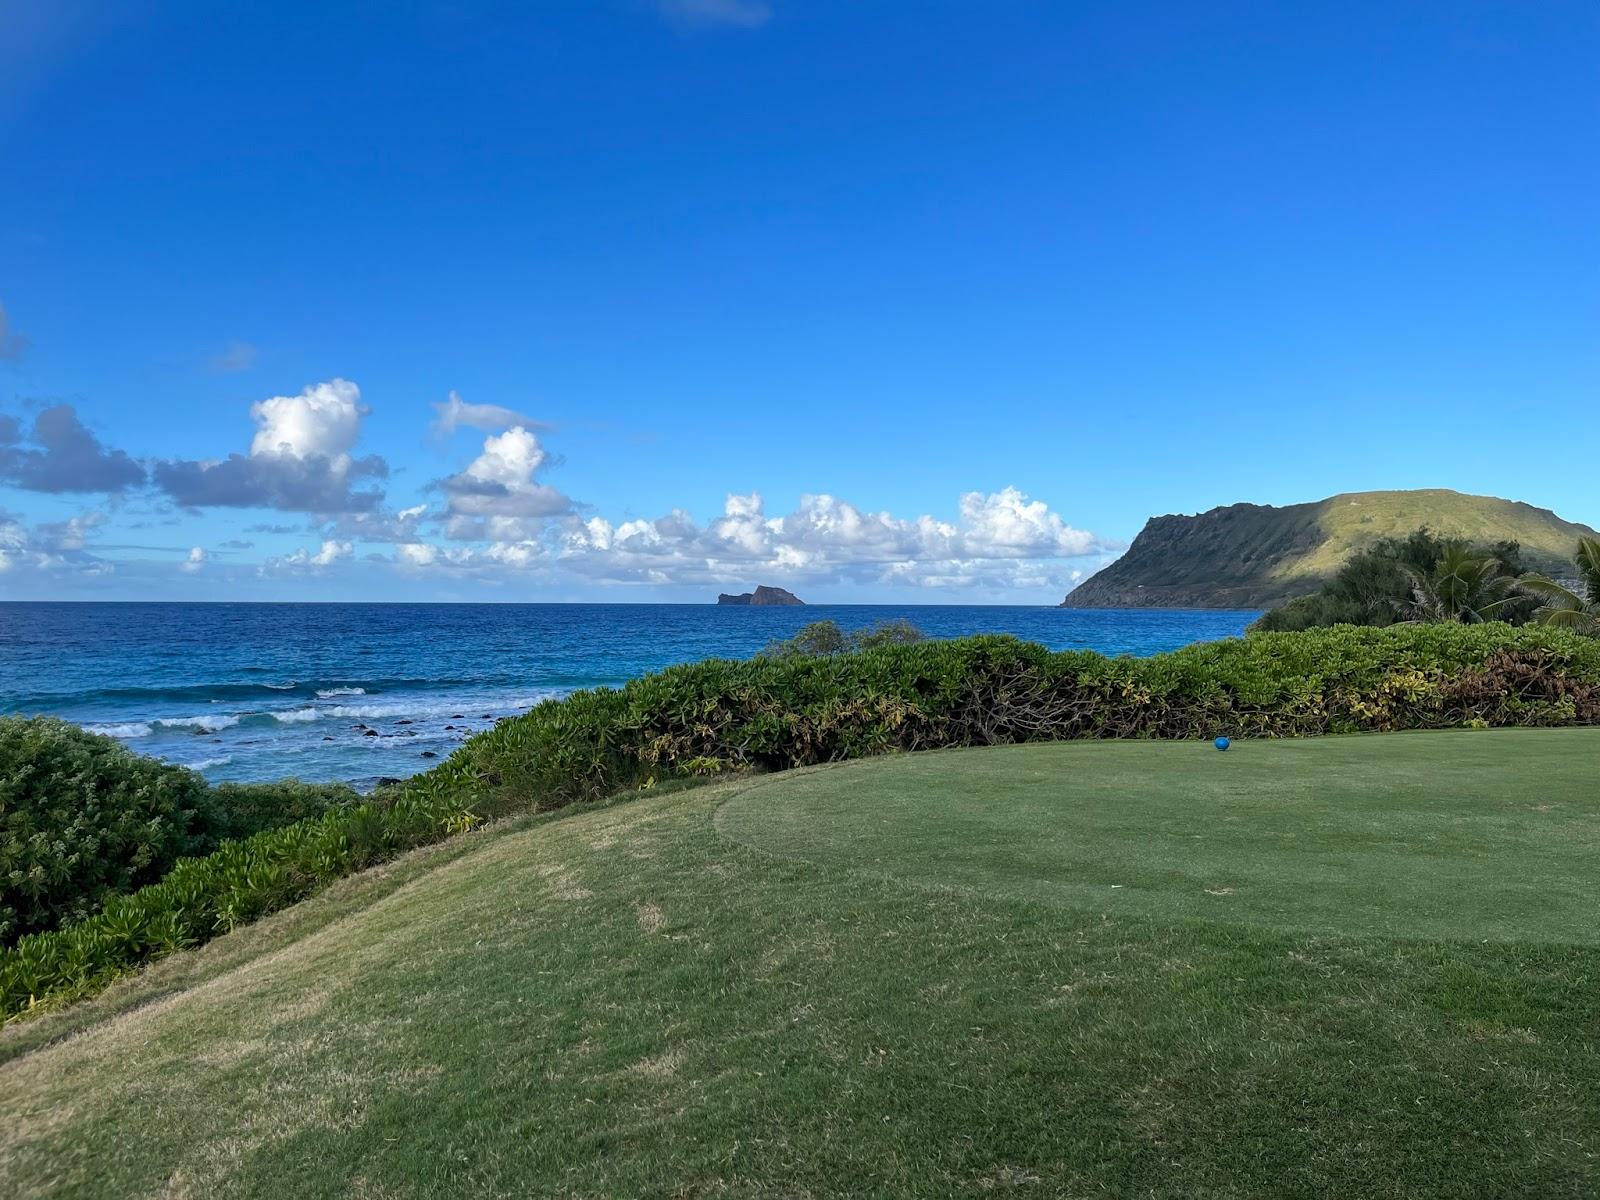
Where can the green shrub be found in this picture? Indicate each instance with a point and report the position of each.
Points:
(241, 810)
(236, 884)
(82, 818)
(793, 710)
(825, 637)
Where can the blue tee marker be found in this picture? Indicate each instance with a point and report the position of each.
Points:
(1223, 743)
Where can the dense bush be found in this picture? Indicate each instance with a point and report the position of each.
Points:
(795, 710)
(239, 882)
(792, 710)
(82, 819)
(241, 810)
(826, 637)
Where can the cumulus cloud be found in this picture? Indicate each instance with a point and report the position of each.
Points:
(192, 564)
(12, 344)
(304, 560)
(61, 455)
(416, 554)
(378, 526)
(746, 14)
(300, 459)
(238, 356)
(455, 413)
(330, 553)
(71, 534)
(1000, 539)
(50, 546)
(498, 496)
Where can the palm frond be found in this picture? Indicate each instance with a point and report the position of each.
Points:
(1588, 560)
(1555, 595)
(1578, 620)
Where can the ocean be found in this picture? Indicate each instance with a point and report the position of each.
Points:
(358, 692)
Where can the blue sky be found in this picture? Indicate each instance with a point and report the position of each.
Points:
(925, 301)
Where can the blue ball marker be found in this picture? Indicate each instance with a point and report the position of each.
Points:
(1223, 743)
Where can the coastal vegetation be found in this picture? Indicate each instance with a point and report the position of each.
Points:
(826, 637)
(1340, 966)
(793, 710)
(83, 819)
(1420, 577)
(1253, 556)
(1424, 577)
(1568, 607)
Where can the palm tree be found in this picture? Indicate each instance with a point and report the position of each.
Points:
(1463, 587)
(1564, 607)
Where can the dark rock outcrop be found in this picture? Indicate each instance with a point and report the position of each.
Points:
(763, 597)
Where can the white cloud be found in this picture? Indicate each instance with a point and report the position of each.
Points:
(378, 526)
(51, 545)
(416, 554)
(192, 564)
(331, 552)
(71, 534)
(498, 496)
(455, 413)
(304, 561)
(1001, 540)
(323, 420)
(300, 459)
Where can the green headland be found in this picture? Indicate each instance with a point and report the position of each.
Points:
(1258, 556)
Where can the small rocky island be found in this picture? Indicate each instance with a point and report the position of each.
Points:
(763, 597)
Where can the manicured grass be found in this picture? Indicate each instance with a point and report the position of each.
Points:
(1352, 966)
(1467, 834)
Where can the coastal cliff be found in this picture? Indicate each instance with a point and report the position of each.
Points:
(1258, 556)
(763, 597)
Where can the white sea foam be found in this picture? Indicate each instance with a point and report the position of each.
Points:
(209, 722)
(131, 729)
(329, 693)
(400, 708)
(298, 716)
(282, 687)
(221, 761)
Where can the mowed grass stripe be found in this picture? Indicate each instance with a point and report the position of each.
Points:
(1490, 834)
(629, 1003)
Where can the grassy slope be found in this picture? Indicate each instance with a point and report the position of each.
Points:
(1356, 519)
(1249, 555)
(906, 976)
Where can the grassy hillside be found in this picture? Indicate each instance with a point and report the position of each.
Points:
(1347, 966)
(1255, 556)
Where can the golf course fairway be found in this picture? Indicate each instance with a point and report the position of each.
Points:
(1361, 966)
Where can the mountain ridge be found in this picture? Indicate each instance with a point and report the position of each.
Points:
(1257, 556)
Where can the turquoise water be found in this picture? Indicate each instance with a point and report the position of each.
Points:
(362, 691)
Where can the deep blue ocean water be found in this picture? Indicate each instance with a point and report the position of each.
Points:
(360, 691)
